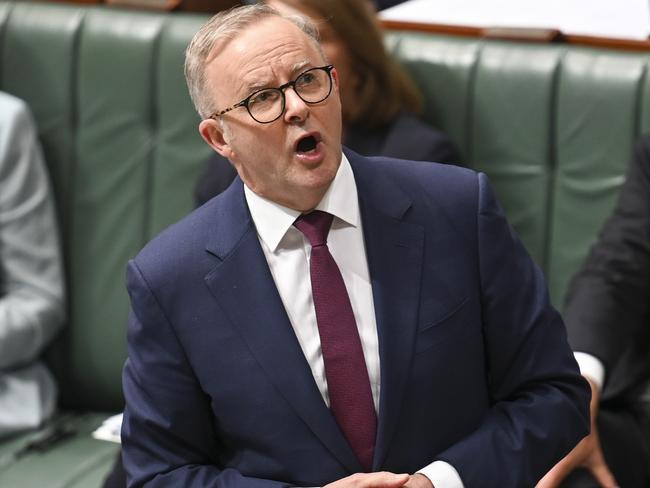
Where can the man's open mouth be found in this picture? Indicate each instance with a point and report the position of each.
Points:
(306, 144)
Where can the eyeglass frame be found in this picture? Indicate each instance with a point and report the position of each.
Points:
(244, 103)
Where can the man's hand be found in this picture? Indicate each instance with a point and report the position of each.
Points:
(419, 481)
(382, 479)
(587, 454)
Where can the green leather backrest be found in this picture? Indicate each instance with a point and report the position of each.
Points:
(551, 125)
(107, 90)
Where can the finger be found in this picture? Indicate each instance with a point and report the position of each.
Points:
(603, 475)
(383, 479)
(418, 480)
(553, 478)
(395, 480)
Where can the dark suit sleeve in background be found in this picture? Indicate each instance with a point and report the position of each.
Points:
(217, 175)
(384, 4)
(411, 138)
(607, 305)
(405, 137)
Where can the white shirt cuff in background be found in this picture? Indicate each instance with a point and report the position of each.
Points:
(592, 367)
(442, 475)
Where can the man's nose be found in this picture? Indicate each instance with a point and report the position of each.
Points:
(295, 109)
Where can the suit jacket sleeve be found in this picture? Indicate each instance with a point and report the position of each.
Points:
(424, 144)
(607, 304)
(539, 402)
(167, 442)
(411, 138)
(404, 137)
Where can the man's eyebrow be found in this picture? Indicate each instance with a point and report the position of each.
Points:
(300, 66)
(247, 88)
(257, 85)
(254, 86)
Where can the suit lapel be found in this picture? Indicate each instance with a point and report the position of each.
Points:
(243, 285)
(394, 250)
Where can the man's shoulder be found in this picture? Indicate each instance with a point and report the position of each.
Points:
(13, 109)
(187, 242)
(424, 187)
(174, 240)
(11, 105)
(19, 145)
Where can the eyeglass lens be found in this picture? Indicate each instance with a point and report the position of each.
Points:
(312, 86)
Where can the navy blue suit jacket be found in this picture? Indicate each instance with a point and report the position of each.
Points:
(475, 367)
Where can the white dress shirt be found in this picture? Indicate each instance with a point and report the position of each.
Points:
(287, 253)
(592, 367)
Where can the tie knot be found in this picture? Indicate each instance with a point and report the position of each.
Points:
(315, 226)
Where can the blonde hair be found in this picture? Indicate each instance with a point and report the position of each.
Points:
(220, 29)
(384, 88)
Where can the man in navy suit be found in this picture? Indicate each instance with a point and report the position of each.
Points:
(330, 319)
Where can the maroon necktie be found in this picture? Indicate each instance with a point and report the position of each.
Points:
(345, 368)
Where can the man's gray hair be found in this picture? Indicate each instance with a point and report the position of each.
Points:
(220, 29)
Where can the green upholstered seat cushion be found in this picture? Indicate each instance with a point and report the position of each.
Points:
(551, 125)
(78, 461)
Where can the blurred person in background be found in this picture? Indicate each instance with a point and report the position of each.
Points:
(379, 100)
(383, 4)
(607, 316)
(31, 276)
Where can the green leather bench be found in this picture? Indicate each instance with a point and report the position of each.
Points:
(552, 125)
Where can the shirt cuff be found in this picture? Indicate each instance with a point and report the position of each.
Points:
(442, 475)
(592, 367)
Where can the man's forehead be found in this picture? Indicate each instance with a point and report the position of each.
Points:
(261, 33)
(266, 54)
(256, 54)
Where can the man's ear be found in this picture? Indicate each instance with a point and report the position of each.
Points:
(335, 77)
(213, 134)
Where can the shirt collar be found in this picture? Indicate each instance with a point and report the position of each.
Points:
(273, 220)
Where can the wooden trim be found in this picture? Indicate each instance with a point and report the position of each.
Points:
(608, 42)
(454, 30)
(204, 6)
(86, 2)
(521, 35)
(164, 5)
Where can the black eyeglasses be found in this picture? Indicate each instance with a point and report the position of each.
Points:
(267, 105)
